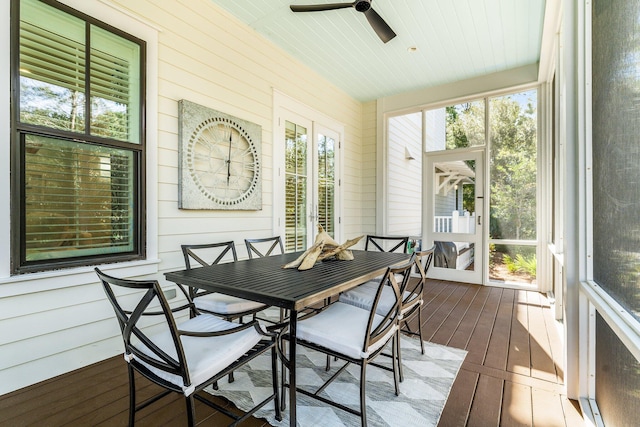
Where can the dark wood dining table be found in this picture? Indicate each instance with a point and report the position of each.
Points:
(264, 280)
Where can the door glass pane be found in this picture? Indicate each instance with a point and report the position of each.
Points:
(455, 126)
(454, 212)
(295, 187)
(454, 204)
(326, 183)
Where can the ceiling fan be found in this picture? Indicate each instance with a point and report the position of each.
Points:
(382, 29)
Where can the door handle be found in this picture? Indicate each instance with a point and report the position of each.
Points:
(479, 221)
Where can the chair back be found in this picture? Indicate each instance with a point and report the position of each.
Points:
(258, 248)
(376, 332)
(135, 303)
(207, 254)
(412, 293)
(386, 243)
(424, 260)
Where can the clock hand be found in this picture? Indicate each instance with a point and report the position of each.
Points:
(229, 160)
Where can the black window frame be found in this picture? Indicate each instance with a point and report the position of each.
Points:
(18, 262)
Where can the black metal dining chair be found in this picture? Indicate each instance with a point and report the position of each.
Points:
(267, 246)
(353, 335)
(413, 298)
(262, 247)
(183, 357)
(386, 243)
(225, 306)
(411, 291)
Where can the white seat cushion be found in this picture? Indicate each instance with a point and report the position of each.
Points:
(225, 304)
(342, 328)
(363, 295)
(205, 356)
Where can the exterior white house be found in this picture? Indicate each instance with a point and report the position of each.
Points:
(55, 321)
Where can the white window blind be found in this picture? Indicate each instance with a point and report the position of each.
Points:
(79, 201)
(296, 187)
(326, 183)
(53, 64)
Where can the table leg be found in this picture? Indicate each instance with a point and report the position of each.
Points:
(293, 320)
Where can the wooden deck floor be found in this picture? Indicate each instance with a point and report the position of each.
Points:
(512, 375)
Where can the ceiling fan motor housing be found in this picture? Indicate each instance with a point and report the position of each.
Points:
(363, 5)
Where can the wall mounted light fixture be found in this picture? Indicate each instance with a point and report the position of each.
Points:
(408, 154)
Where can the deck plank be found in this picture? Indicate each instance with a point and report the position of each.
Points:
(479, 342)
(456, 410)
(487, 402)
(516, 405)
(519, 358)
(438, 308)
(451, 324)
(555, 342)
(542, 363)
(552, 404)
(462, 335)
(498, 349)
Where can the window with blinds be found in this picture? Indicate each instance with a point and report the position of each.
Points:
(326, 182)
(78, 140)
(296, 176)
(79, 199)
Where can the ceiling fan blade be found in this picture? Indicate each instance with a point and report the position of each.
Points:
(319, 7)
(382, 29)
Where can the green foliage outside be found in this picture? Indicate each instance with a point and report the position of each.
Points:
(521, 264)
(512, 163)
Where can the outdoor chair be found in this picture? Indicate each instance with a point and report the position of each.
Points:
(182, 357)
(353, 335)
(386, 243)
(411, 290)
(413, 298)
(258, 248)
(225, 306)
(267, 246)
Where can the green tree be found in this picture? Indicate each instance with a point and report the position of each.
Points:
(465, 125)
(513, 158)
(513, 155)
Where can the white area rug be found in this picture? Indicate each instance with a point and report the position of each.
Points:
(423, 393)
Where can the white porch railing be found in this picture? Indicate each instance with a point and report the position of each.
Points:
(455, 223)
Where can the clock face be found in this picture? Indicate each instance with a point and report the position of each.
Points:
(219, 160)
(223, 161)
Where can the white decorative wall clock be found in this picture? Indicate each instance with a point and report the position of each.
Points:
(219, 163)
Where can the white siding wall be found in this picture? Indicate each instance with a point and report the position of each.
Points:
(53, 323)
(404, 175)
(435, 129)
(369, 175)
(444, 205)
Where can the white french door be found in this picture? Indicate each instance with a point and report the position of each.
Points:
(454, 214)
(307, 166)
